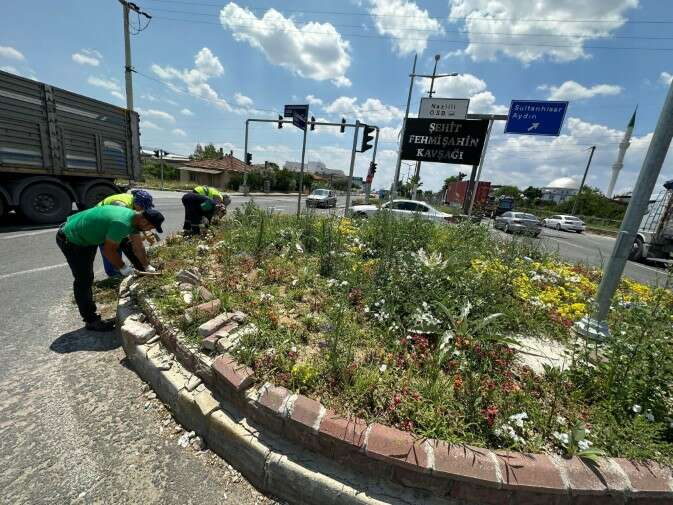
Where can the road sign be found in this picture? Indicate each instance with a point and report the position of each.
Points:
(298, 113)
(533, 117)
(458, 141)
(444, 108)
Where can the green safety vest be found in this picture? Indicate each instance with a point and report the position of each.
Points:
(207, 191)
(125, 199)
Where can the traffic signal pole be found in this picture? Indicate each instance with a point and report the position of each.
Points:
(301, 173)
(352, 167)
(368, 186)
(393, 190)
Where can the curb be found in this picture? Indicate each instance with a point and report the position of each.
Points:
(270, 463)
(434, 469)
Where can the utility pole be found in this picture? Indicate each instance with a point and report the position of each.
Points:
(417, 173)
(161, 162)
(596, 327)
(129, 6)
(352, 167)
(584, 178)
(393, 192)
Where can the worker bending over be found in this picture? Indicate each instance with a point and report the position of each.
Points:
(201, 206)
(132, 247)
(81, 235)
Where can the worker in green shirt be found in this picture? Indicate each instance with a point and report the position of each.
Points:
(132, 247)
(201, 206)
(81, 235)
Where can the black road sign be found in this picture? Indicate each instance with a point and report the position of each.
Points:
(298, 113)
(299, 121)
(458, 141)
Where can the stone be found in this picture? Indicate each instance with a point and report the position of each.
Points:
(204, 294)
(185, 438)
(231, 376)
(137, 332)
(187, 297)
(215, 324)
(151, 395)
(392, 445)
(205, 309)
(464, 462)
(185, 286)
(193, 383)
(239, 317)
(189, 276)
(529, 472)
(198, 444)
(209, 343)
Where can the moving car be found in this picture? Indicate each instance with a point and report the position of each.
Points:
(518, 222)
(564, 222)
(402, 208)
(322, 198)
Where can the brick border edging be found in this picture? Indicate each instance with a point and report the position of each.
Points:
(469, 474)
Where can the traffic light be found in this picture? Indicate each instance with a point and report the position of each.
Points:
(280, 121)
(160, 153)
(312, 123)
(343, 125)
(248, 158)
(372, 171)
(367, 137)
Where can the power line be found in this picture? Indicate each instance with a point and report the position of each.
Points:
(437, 18)
(429, 39)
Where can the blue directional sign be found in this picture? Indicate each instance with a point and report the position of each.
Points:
(534, 117)
(298, 113)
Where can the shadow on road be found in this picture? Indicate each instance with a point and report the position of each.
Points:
(84, 340)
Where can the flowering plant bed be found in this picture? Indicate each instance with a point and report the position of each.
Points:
(419, 326)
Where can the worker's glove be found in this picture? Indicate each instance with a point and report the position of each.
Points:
(126, 270)
(150, 268)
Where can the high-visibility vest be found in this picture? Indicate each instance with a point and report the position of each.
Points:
(207, 191)
(125, 199)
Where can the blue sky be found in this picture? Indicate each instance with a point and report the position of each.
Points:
(204, 66)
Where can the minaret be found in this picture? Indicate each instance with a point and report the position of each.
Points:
(623, 146)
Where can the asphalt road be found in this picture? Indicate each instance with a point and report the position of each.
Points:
(75, 425)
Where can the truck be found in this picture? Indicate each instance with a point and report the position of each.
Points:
(654, 240)
(498, 205)
(456, 191)
(59, 148)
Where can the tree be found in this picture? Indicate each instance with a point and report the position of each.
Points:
(210, 152)
(453, 178)
(512, 191)
(532, 194)
(591, 202)
(198, 152)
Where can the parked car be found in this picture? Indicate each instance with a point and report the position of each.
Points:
(322, 198)
(518, 222)
(564, 222)
(402, 208)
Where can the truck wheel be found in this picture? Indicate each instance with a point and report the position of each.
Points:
(45, 203)
(637, 251)
(96, 193)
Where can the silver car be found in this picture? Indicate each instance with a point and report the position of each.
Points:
(564, 222)
(518, 222)
(322, 198)
(402, 208)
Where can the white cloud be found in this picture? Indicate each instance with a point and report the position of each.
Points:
(410, 25)
(564, 182)
(11, 53)
(149, 97)
(314, 50)
(243, 101)
(467, 86)
(571, 90)
(371, 110)
(179, 132)
(206, 66)
(118, 94)
(313, 100)
(149, 125)
(496, 25)
(87, 57)
(186, 112)
(666, 78)
(157, 114)
(108, 84)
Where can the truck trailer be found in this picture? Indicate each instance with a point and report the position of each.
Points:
(654, 240)
(58, 148)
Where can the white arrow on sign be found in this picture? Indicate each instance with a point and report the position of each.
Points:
(533, 126)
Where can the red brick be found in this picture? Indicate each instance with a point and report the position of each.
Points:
(468, 492)
(208, 343)
(584, 477)
(647, 478)
(269, 409)
(338, 428)
(464, 462)
(392, 445)
(232, 374)
(306, 412)
(530, 498)
(529, 472)
(210, 309)
(606, 499)
(273, 399)
(226, 329)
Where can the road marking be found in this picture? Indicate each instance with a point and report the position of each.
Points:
(29, 234)
(32, 270)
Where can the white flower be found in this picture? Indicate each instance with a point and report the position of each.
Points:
(446, 338)
(332, 282)
(561, 420)
(383, 368)
(433, 260)
(266, 297)
(637, 409)
(507, 431)
(649, 416)
(562, 437)
(202, 248)
(295, 281)
(583, 445)
(293, 348)
(518, 419)
(366, 310)
(344, 284)
(299, 248)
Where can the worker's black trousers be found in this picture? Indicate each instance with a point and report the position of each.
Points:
(193, 212)
(80, 260)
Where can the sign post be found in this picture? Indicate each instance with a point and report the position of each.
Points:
(352, 167)
(299, 115)
(534, 117)
(443, 108)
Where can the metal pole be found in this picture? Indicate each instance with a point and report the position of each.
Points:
(393, 191)
(301, 172)
(127, 55)
(596, 327)
(161, 161)
(369, 184)
(350, 171)
(584, 178)
(245, 160)
(481, 166)
(417, 172)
